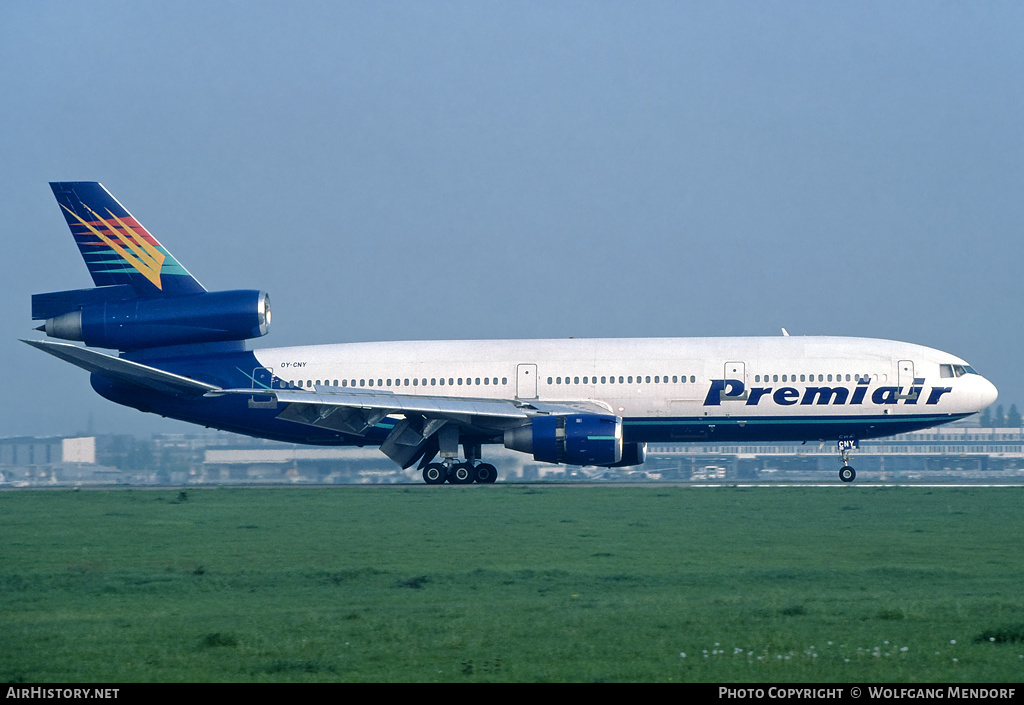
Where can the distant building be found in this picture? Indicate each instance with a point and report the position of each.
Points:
(957, 451)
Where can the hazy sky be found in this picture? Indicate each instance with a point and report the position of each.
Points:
(392, 170)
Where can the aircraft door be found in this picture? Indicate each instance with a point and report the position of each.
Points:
(736, 370)
(526, 381)
(262, 378)
(906, 376)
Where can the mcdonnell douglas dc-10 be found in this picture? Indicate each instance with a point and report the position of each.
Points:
(182, 354)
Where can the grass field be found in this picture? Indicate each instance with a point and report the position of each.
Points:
(513, 583)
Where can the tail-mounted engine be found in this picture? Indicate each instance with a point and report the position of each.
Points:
(111, 317)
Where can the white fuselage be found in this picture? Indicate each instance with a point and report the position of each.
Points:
(657, 377)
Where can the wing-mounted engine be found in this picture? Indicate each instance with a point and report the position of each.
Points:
(575, 439)
(112, 317)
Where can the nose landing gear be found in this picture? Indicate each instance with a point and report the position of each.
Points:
(847, 473)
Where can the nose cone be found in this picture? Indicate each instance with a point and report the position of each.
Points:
(987, 394)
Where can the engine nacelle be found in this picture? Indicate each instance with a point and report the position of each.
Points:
(180, 320)
(632, 454)
(576, 439)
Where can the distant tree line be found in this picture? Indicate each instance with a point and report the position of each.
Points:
(999, 419)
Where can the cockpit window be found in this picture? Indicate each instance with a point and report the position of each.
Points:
(956, 370)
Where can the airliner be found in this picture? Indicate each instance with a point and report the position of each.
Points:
(181, 352)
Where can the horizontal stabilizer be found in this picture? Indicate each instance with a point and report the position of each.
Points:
(115, 368)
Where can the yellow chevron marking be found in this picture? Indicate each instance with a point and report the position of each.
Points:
(147, 260)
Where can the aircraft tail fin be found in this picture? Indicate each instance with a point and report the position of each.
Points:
(116, 248)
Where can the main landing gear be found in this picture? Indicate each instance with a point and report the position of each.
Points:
(460, 473)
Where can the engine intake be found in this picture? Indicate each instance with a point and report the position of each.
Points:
(138, 323)
(575, 439)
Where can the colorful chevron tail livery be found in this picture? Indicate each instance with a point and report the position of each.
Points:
(116, 248)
